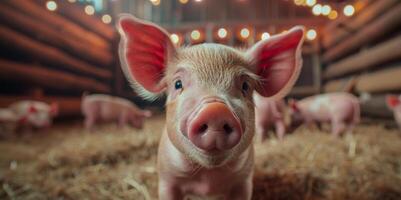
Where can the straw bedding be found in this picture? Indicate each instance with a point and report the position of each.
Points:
(67, 162)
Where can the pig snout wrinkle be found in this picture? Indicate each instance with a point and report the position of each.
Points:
(214, 128)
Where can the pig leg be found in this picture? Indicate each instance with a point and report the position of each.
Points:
(261, 131)
(280, 129)
(90, 122)
(169, 191)
(338, 127)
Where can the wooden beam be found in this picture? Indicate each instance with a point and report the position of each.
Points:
(341, 85)
(68, 106)
(75, 12)
(47, 54)
(303, 91)
(44, 77)
(384, 52)
(389, 22)
(45, 33)
(60, 23)
(366, 16)
(382, 81)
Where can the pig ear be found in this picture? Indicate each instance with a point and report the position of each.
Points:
(144, 52)
(278, 62)
(392, 101)
(32, 109)
(293, 105)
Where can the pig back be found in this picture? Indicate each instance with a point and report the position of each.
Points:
(105, 107)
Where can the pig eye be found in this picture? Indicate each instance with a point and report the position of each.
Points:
(245, 87)
(178, 85)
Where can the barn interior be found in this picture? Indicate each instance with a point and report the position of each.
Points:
(59, 51)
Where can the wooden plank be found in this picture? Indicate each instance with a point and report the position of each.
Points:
(75, 12)
(68, 106)
(48, 54)
(382, 81)
(341, 85)
(60, 23)
(384, 52)
(366, 16)
(41, 76)
(385, 24)
(45, 33)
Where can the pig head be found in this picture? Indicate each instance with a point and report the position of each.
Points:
(394, 103)
(210, 111)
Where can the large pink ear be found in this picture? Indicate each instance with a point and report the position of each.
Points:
(278, 62)
(392, 101)
(144, 52)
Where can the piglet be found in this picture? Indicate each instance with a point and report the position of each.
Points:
(34, 114)
(394, 103)
(206, 147)
(104, 108)
(342, 110)
(269, 112)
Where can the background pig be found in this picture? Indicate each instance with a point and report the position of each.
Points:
(206, 148)
(34, 113)
(105, 108)
(342, 110)
(394, 103)
(269, 112)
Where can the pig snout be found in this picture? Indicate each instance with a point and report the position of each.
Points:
(214, 127)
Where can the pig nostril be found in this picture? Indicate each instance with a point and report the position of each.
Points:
(227, 129)
(203, 128)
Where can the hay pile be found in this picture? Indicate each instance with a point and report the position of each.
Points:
(69, 163)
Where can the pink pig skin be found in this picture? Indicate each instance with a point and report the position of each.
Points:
(269, 112)
(206, 148)
(8, 122)
(34, 113)
(105, 108)
(342, 110)
(394, 103)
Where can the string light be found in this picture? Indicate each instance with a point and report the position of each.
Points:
(198, 0)
(349, 10)
(317, 9)
(222, 33)
(299, 2)
(195, 35)
(175, 38)
(106, 19)
(51, 5)
(311, 34)
(264, 35)
(333, 15)
(244, 33)
(89, 10)
(326, 10)
(72, 1)
(183, 1)
(310, 3)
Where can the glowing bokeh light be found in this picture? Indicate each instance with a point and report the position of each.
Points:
(333, 15)
(317, 9)
(244, 33)
(175, 38)
(264, 36)
(51, 5)
(106, 19)
(195, 35)
(311, 34)
(349, 10)
(183, 1)
(326, 10)
(310, 3)
(222, 33)
(90, 10)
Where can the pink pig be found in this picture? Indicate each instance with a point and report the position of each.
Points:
(341, 109)
(34, 113)
(269, 112)
(394, 103)
(8, 122)
(105, 108)
(206, 148)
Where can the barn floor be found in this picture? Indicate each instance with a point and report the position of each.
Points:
(66, 162)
